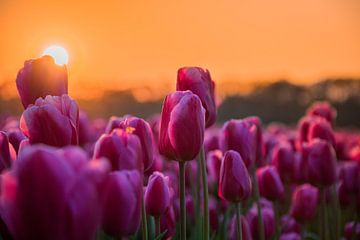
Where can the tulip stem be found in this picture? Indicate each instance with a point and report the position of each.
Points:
(157, 226)
(238, 221)
(257, 199)
(205, 194)
(182, 200)
(325, 215)
(143, 220)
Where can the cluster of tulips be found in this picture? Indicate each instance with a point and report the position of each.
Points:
(174, 175)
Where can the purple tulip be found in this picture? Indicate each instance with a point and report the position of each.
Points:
(121, 148)
(113, 123)
(122, 203)
(240, 136)
(53, 121)
(213, 214)
(321, 163)
(211, 139)
(259, 145)
(283, 158)
(289, 224)
(322, 109)
(270, 184)
(182, 126)
(15, 137)
(39, 78)
(320, 128)
(157, 195)
(168, 223)
(304, 202)
(213, 162)
(268, 221)
(351, 231)
(234, 183)
(290, 236)
(198, 81)
(7, 152)
(350, 177)
(246, 233)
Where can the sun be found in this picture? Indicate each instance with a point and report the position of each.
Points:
(59, 54)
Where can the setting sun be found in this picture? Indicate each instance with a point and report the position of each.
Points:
(59, 54)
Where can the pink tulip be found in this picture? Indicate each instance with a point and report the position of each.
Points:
(15, 137)
(121, 148)
(322, 109)
(234, 183)
(182, 126)
(7, 152)
(268, 221)
(240, 136)
(53, 121)
(122, 203)
(304, 202)
(246, 232)
(198, 81)
(270, 184)
(320, 128)
(350, 177)
(321, 163)
(213, 162)
(283, 158)
(157, 195)
(39, 78)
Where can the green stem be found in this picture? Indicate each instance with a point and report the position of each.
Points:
(325, 215)
(205, 193)
(157, 226)
(257, 199)
(143, 220)
(337, 214)
(277, 220)
(182, 200)
(238, 221)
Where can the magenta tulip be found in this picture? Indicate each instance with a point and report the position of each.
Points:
(168, 223)
(157, 195)
(283, 158)
(240, 136)
(270, 184)
(246, 233)
(351, 231)
(53, 121)
(7, 152)
(321, 163)
(198, 81)
(290, 236)
(213, 162)
(39, 78)
(289, 224)
(15, 137)
(234, 183)
(320, 128)
(122, 203)
(121, 148)
(268, 222)
(350, 177)
(182, 126)
(324, 110)
(304, 202)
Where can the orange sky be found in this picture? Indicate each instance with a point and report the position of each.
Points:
(134, 44)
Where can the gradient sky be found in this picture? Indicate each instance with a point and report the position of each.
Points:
(136, 44)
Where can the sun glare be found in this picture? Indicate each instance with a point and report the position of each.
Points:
(59, 54)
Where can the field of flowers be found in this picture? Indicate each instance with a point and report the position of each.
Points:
(176, 175)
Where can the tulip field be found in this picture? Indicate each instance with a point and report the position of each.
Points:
(179, 174)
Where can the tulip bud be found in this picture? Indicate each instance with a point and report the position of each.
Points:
(270, 185)
(351, 231)
(121, 148)
(259, 145)
(15, 137)
(350, 176)
(320, 128)
(304, 202)
(114, 122)
(290, 236)
(268, 221)
(211, 140)
(7, 152)
(289, 224)
(157, 195)
(122, 203)
(282, 158)
(182, 126)
(321, 163)
(234, 183)
(240, 136)
(53, 121)
(213, 162)
(245, 229)
(198, 81)
(39, 78)
(322, 109)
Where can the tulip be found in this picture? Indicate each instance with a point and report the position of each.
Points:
(198, 81)
(289, 224)
(270, 184)
(157, 197)
(320, 128)
(245, 229)
(234, 183)
(290, 236)
(213, 162)
(211, 140)
(113, 123)
(52, 121)
(15, 137)
(182, 126)
(240, 136)
(322, 109)
(260, 148)
(168, 223)
(121, 148)
(39, 78)
(122, 203)
(352, 230)
(268, 222)
(350, 176)
(181, 136)
(304, 202)
(213, 214)
(282, 158)
(43, 198)
(7, 152)
(321, 163)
